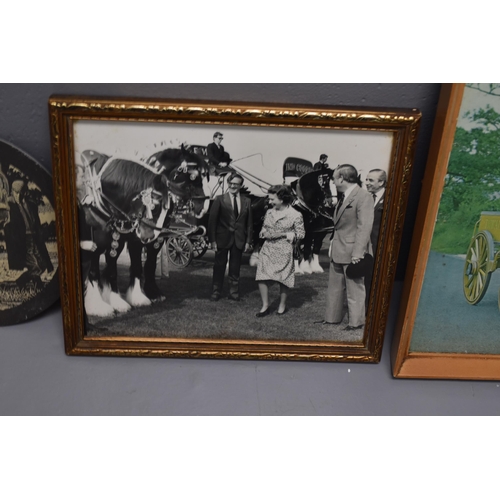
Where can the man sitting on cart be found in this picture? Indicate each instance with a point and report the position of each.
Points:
(219, 159)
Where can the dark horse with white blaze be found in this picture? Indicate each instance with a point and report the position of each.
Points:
(132, 202)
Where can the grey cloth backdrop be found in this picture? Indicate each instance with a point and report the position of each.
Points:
(37, 378)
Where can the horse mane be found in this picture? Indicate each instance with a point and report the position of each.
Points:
(94, 159)
(123, 180)
(180, 182)
(311, 193)
(168, 159)
(171, 158)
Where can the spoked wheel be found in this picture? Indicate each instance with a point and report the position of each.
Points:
(200, 246)
(179, 251)
(477, 270)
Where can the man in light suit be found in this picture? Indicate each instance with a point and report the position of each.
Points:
(353, 221)
(230, 234)
(375, 183)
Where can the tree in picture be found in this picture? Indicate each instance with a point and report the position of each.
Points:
(472, 183)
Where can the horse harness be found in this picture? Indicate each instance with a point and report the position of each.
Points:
(319, 212)
(123, 223)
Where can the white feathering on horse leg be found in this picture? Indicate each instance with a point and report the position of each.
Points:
(94, 304)
(135, 297)
(305, 267)
(114, 300)
(315, 265)
(297, 267)
(118, 304)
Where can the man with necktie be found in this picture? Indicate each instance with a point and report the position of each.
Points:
(230, 234)
(353, 221)
(375, 183)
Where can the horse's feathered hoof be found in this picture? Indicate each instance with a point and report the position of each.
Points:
(297, 267)
(135, 297)
(305, 267)
(114, 300)
(315, 265)
(158, 299)
(94, 303)
(153, 293)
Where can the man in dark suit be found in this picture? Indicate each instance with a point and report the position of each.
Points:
(230, 234)
(375, 183)
(353, 220)
(321, 164)
(326, 176)
(217, 157)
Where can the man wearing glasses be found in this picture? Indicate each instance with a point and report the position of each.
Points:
(230, 234)
(218, 158)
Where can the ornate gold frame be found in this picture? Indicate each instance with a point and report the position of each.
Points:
(64, 110)
(406, 364)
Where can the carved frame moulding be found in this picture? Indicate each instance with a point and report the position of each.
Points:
(95, 138)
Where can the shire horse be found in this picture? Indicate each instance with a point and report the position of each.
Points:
(132, 202)
(314, 200)
(185, 171)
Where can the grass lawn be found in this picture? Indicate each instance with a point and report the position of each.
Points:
(188, 312)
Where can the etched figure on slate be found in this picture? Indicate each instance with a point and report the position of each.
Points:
(24, 239)
(29, 281)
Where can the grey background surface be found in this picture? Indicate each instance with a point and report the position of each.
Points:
(37, 378)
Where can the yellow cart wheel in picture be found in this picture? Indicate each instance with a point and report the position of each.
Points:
(478, 266)
(179, 251)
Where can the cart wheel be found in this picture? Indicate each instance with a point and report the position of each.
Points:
(476, 273)
(200, 246)
(179, 251)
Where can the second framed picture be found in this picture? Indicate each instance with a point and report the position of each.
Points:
(225, 230)
(449, 320)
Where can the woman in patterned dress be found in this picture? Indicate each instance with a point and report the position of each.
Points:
(283, 225)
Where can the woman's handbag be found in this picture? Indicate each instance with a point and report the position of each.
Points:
(254, 258)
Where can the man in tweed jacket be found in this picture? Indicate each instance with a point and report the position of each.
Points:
(353, 221)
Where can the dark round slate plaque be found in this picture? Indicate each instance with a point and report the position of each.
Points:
(29, 281)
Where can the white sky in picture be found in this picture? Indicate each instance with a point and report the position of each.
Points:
(474, 100)
(363, 149)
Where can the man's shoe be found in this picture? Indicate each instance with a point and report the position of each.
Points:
(215, 297)
(323, 322)
(350, 328)
(232, 297)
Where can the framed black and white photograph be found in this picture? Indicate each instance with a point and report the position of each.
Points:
(226, 230)
(28, 248)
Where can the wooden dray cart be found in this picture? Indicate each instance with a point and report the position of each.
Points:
(483, 257)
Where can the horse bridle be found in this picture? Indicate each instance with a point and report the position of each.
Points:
(109, 206)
